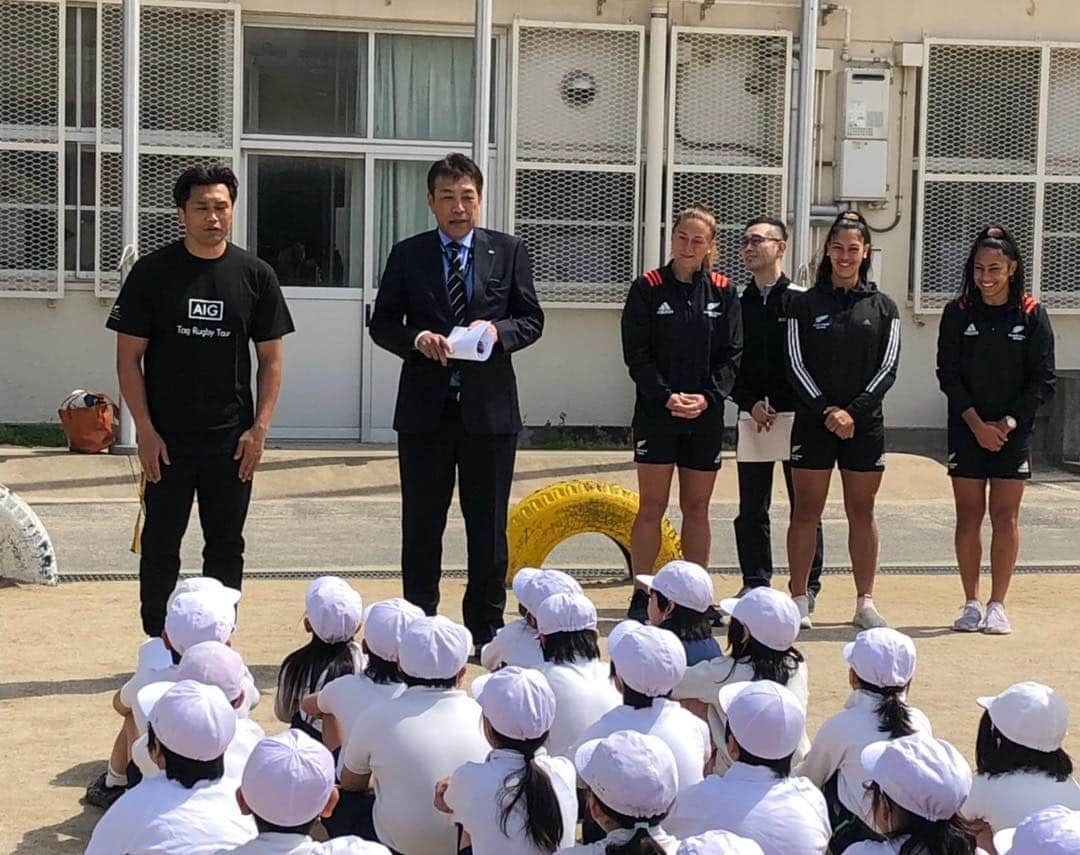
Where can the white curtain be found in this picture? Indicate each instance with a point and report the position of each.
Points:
(401, 204)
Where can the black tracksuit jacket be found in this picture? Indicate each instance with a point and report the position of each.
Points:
(997, 359)
(843, 349)
(763, 369)
(679, 337)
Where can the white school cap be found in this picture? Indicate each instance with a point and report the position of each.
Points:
(215, 664)
(765, 718)
(1030, 714)
(434, 648)
(385, 623)
(334, 609)
(718, 843)
(1050, 831)
(648, 659)
(153, 655)
(532, 586)
(632, 773)
(923, 775)
(565, 612)
(771, 616)
(882, 657)
(194, 720)
(288, 778)
(518, 702)
(145, 699)
(684, 583)
(203, 583)
(199, 616)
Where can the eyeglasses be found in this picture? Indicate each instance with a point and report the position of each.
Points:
(756, 240)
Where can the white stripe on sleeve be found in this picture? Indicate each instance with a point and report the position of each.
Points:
(892, 350)
(795, 350)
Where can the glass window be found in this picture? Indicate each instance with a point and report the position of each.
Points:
(400, 204)
(306, 218)
(80, 67)
(423, 87)
(304, 82)
(79, 208)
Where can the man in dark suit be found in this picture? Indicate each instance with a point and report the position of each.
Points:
(453, 416)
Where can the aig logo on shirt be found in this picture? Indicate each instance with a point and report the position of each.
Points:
(205, 310)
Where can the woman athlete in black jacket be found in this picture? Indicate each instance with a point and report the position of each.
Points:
(843, 349)
(995, 364)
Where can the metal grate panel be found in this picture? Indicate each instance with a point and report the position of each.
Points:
(970, 88)
(1063, 113)
(953, 213)
(734, 198)
(575, 156)
(1061, 248)
(29, 212)
(29, 71)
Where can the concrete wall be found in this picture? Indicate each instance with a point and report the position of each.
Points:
(577, 368)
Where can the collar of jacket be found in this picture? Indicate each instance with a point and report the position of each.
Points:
(861, 287)
(777, 287)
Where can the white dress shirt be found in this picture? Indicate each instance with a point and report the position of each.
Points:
(408, 744)
(888, 847)
(838, 747)
(350, 697)
(517, 643)
(474, 796)
(163, 817)
(583, 693)
(275, 843)
(786, 816)
(684, 733)
(1006, 800)
(620, 836)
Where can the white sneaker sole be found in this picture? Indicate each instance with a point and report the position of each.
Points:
(989, 630)
(980, 628)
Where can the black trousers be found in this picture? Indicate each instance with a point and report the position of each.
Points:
(483, 464)
(753, 530)
(223, 506)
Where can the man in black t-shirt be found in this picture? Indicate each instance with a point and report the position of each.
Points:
(185, 319)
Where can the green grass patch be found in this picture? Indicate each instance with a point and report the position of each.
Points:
(33, 435)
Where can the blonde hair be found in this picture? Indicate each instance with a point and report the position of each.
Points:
(704, 215)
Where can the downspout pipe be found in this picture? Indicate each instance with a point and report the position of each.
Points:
(804, 135)
(655, 123)
(482, 92)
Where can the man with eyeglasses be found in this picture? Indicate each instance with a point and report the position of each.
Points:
(762, 390)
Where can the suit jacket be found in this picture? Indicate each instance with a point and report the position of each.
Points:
(412, 298)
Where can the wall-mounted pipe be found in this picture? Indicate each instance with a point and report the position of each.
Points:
(655, 123)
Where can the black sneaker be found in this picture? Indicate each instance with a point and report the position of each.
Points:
(639, 606)
(102, 796)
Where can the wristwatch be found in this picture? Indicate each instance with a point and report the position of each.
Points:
(1011, 422)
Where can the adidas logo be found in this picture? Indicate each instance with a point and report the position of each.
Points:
(866, 322)
(1024, 468)
(719, 454)
(881, 461)
(971, 330)
(665, 309)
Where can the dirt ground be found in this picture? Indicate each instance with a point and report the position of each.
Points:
(65, 650)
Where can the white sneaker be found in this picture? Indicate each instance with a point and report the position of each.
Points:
(997, 622)
(803, 602)
(971, 618)
(866, 615)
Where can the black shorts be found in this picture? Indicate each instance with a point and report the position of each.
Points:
(699, 450)
(814, 446)
(968, 459)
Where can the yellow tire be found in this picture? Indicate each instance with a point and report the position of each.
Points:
(550, 515)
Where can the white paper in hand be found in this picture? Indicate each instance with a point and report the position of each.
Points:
(768, 446)
(473, 344)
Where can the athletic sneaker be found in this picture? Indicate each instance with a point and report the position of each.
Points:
(100, 795)
(997, 622)
(803, 602)
(971, 618)
(867, 616)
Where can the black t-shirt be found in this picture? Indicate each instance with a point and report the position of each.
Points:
(199, 316)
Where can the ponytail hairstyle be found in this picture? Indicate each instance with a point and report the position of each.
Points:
(768, 664)
(996, 754)
(379, 670)
(894, 717)
(299, 674)
(704, 215)
(642, 842)
(993, 237)
(847, 221)
(687, 624)
(953, 836)
(543, 816)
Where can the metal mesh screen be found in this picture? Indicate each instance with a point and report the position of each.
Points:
(954, 211)
(31, 168)
(735, 198)
(1060, 286)
(186, 76)
(729, 98)
(1009, 177)
(576, 155)
(727, 126)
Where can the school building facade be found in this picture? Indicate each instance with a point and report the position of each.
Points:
(931, 118)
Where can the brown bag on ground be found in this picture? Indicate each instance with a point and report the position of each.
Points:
(89, 430)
